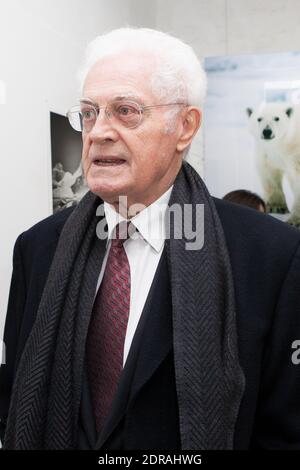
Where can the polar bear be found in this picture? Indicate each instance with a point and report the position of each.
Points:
(276, 129)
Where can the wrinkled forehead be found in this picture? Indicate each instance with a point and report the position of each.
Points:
(122, 75)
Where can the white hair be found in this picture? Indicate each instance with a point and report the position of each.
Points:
(178, 75)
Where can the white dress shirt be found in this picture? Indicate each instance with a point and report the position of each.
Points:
(143, 250)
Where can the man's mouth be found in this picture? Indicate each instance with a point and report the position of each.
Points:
(108, 161)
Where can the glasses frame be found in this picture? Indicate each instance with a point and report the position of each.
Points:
(108, 114)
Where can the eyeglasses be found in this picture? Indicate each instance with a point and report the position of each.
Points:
(125, 113)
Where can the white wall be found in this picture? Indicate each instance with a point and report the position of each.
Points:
(41, 46)
(219, 27)
(143, 13)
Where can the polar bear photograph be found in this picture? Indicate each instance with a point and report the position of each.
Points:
(275, 127)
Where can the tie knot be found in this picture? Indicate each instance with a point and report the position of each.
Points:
(122, 232)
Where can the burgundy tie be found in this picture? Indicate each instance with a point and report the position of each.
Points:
(106, 336)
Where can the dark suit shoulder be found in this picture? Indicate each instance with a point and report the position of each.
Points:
(241, 222)
(47, 228)
(257, 241)
(37, 244)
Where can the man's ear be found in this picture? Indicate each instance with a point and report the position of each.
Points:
(191, 121)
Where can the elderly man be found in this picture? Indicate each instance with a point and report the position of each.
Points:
(123, 331)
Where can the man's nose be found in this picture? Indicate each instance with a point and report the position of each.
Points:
(103, 129)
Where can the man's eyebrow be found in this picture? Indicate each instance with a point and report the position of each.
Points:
(127, 96)
(87, 101)
(130, 96)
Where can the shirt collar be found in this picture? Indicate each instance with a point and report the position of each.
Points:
(150, 222)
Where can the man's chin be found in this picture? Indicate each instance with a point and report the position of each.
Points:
(107, 193)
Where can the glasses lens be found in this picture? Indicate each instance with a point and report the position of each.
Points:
(128, 113)
(88, 116)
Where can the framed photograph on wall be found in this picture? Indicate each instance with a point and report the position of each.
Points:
(68, 183)
(252, 124)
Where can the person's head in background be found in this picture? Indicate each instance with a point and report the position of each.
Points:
(151, 86)
(246, 198)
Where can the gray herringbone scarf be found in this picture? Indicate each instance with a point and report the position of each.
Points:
(209, 381)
